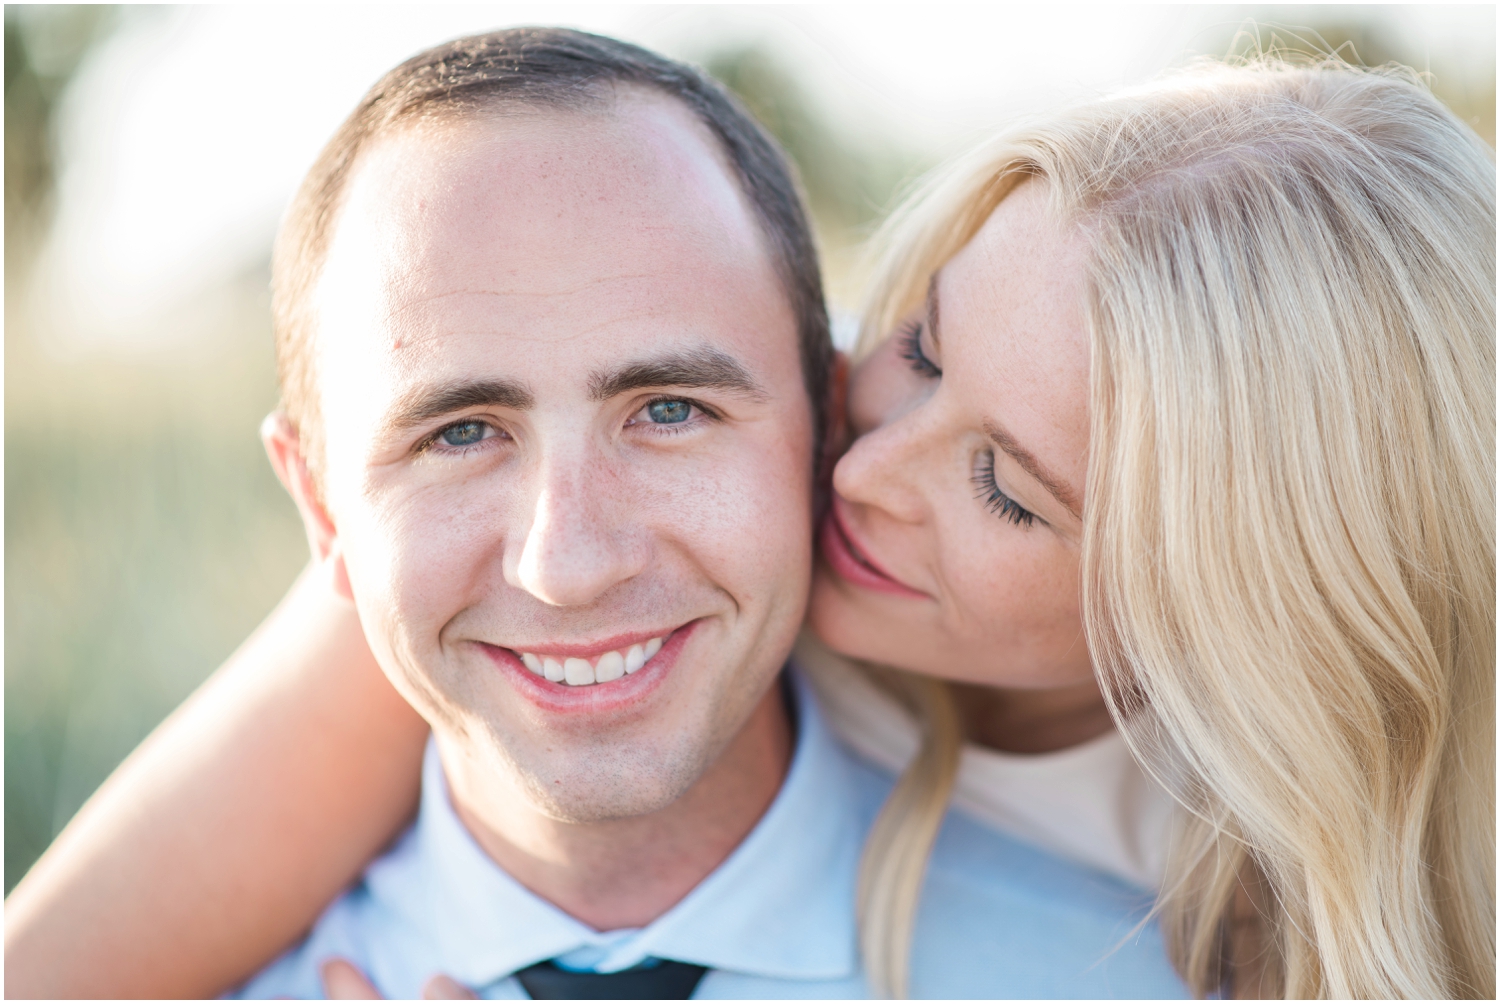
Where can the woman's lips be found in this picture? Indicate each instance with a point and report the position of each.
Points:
(850, 564)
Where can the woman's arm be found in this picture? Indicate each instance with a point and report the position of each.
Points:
(221, 839)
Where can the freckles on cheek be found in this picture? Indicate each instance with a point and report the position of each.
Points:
(745, 517)
(1038, 586)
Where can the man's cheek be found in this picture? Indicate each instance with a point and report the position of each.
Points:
(750, 530)
(422, 556)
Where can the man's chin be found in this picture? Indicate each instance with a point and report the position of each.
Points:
(610, 784)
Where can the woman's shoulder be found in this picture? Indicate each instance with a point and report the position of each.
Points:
(1091, 803)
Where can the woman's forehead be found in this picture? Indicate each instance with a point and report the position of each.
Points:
(1018, 283)
(1012, 333)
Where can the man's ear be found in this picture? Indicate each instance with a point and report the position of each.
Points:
(835, 435)
(284, 447)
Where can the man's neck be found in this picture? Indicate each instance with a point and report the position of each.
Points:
(624, 873)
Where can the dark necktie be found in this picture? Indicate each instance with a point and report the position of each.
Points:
(663, 981)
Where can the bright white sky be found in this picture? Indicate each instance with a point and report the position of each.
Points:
(186, 133)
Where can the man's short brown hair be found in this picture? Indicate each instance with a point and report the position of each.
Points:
(539, 67)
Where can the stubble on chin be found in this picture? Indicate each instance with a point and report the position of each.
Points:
(580, 781)
(603, 783)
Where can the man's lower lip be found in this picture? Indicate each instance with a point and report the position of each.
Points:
(562, 698)
(840, 556)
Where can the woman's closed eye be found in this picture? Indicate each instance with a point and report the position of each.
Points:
(995, 500)
(910, 340)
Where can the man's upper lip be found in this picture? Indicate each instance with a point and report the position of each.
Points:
(583, 650)
(857, 546)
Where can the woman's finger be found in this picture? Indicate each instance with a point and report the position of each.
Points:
(342, 981)
(445, 988)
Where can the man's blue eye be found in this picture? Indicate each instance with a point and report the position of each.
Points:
(463, 434)
(669, 412)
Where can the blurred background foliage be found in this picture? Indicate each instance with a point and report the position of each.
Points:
(145, 535)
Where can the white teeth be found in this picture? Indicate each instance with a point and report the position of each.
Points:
(611, 666)
(578, 672)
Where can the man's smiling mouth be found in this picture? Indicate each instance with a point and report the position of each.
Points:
(606, 667)
(569, 677)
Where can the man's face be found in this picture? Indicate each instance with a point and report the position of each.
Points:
(564, 417)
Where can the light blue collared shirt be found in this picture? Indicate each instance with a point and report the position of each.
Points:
(775, 920)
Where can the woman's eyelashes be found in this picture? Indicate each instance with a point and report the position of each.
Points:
(910, 340)
(995, 500)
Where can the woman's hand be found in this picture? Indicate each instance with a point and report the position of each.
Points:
(342, 981)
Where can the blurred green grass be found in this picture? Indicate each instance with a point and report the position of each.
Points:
(144, 533)
(145, 537)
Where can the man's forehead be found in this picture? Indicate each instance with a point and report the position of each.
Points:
(540, 226)
(639, 174)
(532, 205)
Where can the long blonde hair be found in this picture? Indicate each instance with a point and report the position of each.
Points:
(1289, 546)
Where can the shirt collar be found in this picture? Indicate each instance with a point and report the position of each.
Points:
(781, 905)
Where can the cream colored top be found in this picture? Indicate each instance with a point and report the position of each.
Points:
(1091, 803)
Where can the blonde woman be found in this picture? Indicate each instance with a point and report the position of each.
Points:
(1174, 416)
(1243, 438)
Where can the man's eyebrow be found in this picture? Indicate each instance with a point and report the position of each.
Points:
(1057, 487)
(422, 404)
(703, 367)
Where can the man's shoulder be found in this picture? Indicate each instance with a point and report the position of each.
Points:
(374, 930)
(999, 916)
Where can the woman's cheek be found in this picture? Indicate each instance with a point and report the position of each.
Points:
(1013, 578)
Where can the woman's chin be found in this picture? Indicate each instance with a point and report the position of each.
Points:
(858, 624)
(844, 624)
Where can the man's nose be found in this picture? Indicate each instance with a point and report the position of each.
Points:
(578, 546)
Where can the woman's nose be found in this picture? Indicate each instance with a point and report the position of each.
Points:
(575, 550)
(882, 468)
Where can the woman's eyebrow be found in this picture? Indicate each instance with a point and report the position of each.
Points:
(1056, 487)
